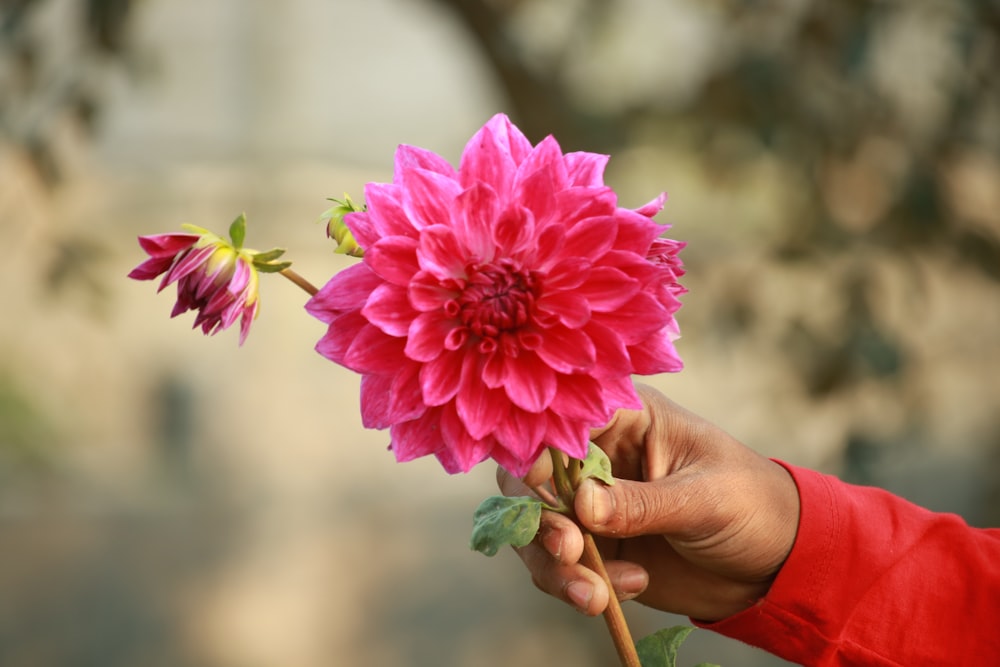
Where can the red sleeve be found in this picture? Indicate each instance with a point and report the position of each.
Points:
(874, 580)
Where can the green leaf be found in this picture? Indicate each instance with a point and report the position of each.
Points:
(238, 230)
(500, 520)
(272, 267)
(269, 256)
(660, 648)
(597, 464)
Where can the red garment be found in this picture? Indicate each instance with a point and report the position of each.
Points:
(874, 580)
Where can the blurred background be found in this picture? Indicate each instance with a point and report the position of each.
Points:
(170, 499)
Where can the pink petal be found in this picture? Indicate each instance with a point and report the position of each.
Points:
(410, 158)
(637, 319)
(620, 393)
(515, 231)
(389, 309)
(151, 268)
(591, 237)
(537, 192)
(635, 232)
(475, 212)
(546, 158)
(569, 273)
(580, 398)
(372, 351)
(479, 407)
(570, 308)
(347, 290)
(375, 412)
(440, 253)
(530, 383)
(578, 203)
(385, 215)
(341, 332)
(487, 159)
(567, 350)
(426, 337)
(416, 438)
(390, 399)
(653, 207)
(567, 435)
(167, 245)
(463, 449)
(607, 289)
(427, 293)
(522, 434)
(440, 378)
(656, 354)
(612, 357)
(188, 263)
(406, 395)
(586, 168)
(394, 258)
(428, 196)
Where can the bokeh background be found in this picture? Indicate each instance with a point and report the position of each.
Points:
(170, 499)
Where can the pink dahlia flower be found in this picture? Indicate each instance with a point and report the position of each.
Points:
(502, 307)
(213, 277)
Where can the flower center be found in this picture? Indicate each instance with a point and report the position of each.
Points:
(497, 298)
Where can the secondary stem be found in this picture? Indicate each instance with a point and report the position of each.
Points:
(614, 617)
(300, 281)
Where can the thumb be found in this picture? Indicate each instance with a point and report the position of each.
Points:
(628, 508)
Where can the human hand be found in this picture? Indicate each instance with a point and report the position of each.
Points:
(697, 523)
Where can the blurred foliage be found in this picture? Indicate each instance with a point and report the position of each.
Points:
(877, 110)
(52, 57)
(27, 437)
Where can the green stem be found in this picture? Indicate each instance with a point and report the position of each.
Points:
(300, 281)
(565, 477)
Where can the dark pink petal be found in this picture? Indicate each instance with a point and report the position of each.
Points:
(652, 208)
(522, 434)
(409, 158)
(188, 263)
(406, 395)
(487, 159)
(347, 290)
(537, 193)
(385, 215)
(620, 392)
(372, 351)
(607, 289)
(375, 401)
(586, 168)
(389, 309)
(416, 438)
(567, 350)
(428, 197)
(569, 436)
(440, 253)
(580, 398)
(394, 258)
(167, 245)
(479, 407)
(656, 354)
(591, 238)
(578, 203)
(151, 268)
(493, 370)
(475, 212)
(545, 158)
(635, 232)
(462, 451)
(514, 232)
(637, 319)
(440, 378)
(426, 336)
(427, 293)
(249, 315)
(569, 273)
(530, 383)
(570, 308)
(342, 330)
(612, 355)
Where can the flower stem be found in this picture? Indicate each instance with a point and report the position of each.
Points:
(300, 281)
(565, 482)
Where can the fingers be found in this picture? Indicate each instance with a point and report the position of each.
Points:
(628, 508)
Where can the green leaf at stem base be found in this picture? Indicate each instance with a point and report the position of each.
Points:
(597, 465)
(500, 520)
(660, 648)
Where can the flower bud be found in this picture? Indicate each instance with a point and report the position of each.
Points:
(338, 231)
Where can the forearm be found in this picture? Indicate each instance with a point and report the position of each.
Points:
(875, 580)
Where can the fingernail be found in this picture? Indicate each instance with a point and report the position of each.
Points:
(601, 504)
(552, 541)
(580, 594)
(632, 583)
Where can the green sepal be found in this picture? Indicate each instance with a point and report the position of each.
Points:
(500, 520)
(597, 465)
(272, 267)
(238, 230)
(268, 256)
